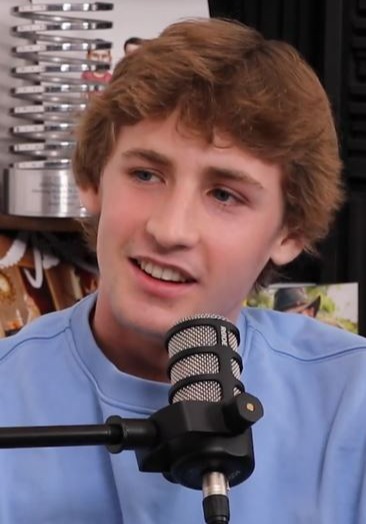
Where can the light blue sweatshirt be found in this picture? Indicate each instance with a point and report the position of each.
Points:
(310, 446)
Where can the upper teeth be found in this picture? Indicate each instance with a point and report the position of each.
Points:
(162, 273)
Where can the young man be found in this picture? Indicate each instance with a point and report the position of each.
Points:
(98, 75)
(210, 158)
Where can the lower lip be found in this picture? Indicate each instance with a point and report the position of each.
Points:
(157, 287)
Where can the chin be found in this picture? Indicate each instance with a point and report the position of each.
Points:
(154, 322)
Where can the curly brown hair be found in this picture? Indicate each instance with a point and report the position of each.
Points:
(224, 76)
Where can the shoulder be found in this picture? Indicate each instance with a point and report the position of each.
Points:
(297, 336)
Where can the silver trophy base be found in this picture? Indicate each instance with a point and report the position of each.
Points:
(48, 193)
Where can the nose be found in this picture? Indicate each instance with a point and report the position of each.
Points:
(174, 222)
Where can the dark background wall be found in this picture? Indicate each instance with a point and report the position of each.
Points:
(331, 35)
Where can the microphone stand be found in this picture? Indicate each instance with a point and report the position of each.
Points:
(116, 434)
(187, 442)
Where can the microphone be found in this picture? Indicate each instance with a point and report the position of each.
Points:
(205, 367)
(202, 439)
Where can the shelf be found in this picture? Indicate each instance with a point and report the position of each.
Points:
(8, 222)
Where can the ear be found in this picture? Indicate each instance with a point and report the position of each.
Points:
(286, 248)
(90, 199)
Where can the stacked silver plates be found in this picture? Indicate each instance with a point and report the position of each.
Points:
(53, 95)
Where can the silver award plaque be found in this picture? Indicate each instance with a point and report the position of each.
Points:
(58, 73)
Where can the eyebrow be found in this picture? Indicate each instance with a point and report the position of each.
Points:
(220, 172)
(149, 155)
(236, 175)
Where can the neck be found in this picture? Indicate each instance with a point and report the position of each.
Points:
(134, 353)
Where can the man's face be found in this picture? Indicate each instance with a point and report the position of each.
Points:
(100, 55)
(185, 227)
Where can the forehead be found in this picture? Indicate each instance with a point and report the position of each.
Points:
(165, 143)
(168, 130)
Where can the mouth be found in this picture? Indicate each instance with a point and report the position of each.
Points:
(163, 273)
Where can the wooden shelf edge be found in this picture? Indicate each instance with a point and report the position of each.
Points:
(8, 222)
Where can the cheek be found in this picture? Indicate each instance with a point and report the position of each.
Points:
(241, 254)
(249, 240)
(120, 219)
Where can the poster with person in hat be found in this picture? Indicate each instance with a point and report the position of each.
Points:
(295, 300)
(335, 304)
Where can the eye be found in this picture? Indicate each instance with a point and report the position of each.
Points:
(144, 175)
(224, 196)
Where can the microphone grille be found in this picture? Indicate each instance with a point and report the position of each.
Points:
(199, 333)
(194, 335)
